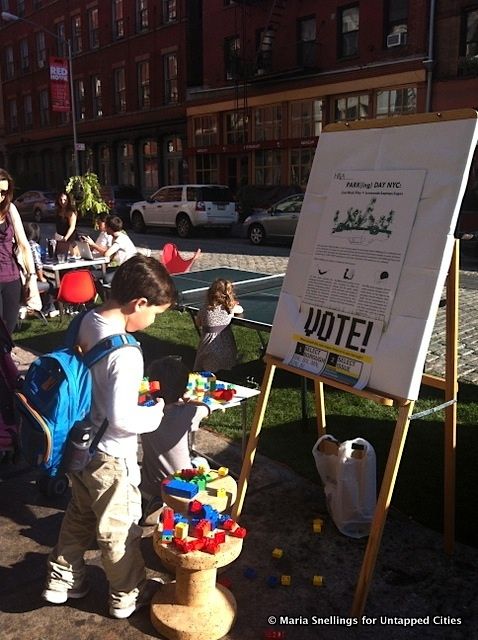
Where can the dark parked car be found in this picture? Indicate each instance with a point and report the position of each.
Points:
(279, 221)
(119, 199)
(36, 205)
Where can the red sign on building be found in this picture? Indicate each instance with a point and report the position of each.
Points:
(59, 85)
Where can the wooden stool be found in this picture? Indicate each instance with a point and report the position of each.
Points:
(194, 607)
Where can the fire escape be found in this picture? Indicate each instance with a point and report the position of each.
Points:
(264, 53)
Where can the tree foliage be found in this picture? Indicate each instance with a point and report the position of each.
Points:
(85, 190)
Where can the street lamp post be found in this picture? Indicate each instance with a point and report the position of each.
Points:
(11, 17)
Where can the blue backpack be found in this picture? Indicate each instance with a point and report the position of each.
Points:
(56, 394)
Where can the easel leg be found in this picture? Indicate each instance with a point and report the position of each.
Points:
(253, 439)
(451, 392)
(381, 510)
(319, 406)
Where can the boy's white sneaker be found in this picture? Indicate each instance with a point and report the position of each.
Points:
(143, 600)
(55, 596)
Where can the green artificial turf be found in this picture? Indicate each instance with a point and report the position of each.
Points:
(285, 437)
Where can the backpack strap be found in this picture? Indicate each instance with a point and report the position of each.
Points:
(73, 328)
(108, 345)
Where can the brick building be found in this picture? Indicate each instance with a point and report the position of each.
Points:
(226, 91)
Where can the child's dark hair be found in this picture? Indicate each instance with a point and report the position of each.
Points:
(172, 375)
(143, 277)
(114, 223)
(221, 293)
(33, 232)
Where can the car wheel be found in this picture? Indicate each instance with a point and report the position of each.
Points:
(183, 226)
(137, 222)
(37, 215)
(256, 234)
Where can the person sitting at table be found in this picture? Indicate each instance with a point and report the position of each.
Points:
(217, 347)
(167, 449)
(45, 287)
(119, 251)
(66, 218)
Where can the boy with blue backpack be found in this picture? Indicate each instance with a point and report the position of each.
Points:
(105, 502)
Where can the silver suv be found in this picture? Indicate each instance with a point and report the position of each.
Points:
(183, 207)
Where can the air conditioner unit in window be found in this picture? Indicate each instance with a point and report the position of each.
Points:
(396, 39)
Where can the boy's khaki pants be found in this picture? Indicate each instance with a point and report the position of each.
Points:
(105, 506)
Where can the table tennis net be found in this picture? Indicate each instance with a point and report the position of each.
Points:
(241, 287)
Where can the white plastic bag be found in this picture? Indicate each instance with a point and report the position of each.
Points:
(348, 473)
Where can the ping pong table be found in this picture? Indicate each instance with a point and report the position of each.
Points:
(258, 293)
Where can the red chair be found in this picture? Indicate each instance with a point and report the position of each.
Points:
(173, 261)
(77, 288)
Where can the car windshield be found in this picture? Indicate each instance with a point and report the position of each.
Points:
(215, 194)
(50, 195)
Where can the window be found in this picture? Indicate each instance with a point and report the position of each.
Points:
(76, 40)
(141, 15)
(119, 98)
(27, 111)
(61, 40)
(205, 131)
(268, 123)
(9, 63)
(349, 30)
(40, 49)
(149, 160)
(170, 67)
(80, 104)
(206, 169)
(169, 11)
(396, 16)
(305, 118)
(306, 42)
(44, 108)
(118, 20)
(232, 57)
(125, 163)
(236, 127)
(267, 167)
(351, 108)
(93, 28)
(96, 97)
(24, 57)
(12, 115)
(471, 33)
(143, 84)
(395, 102)
(300, 165)
(104, 165)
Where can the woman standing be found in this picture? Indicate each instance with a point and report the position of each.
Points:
(11, 231)
(66, 218)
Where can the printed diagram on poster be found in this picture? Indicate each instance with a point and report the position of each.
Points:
(363, 237)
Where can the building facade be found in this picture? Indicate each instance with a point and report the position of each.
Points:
(234, 92)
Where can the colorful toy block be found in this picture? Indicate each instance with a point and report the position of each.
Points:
(167, 518)
(222, 472)
(220, 536)
(318, 581)
(167, 536)
(239, 532)
(277, 553)
(181, 530)
(285, 581)
(180, 488)
(271, 634)
(272, 581)
(250, 573)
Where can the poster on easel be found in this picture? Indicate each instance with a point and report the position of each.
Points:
(372, 249)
